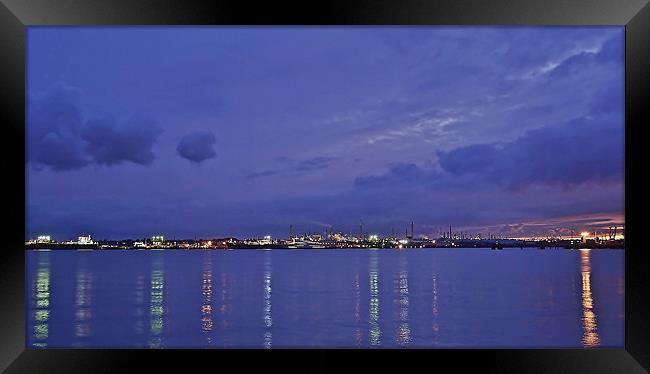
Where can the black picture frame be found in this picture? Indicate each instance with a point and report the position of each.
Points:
(16, 15)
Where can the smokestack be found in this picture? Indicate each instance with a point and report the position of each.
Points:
(412, 230)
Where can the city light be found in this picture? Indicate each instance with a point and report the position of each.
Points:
(331, 239)
(43, 239)
(85, 239)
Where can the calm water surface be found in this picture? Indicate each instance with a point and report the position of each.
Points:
(326, 298)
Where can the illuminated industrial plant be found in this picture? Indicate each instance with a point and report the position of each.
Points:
(612, 238)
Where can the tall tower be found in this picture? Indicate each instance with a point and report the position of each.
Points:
(412, 236)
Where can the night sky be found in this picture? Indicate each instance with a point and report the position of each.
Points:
(242, 131)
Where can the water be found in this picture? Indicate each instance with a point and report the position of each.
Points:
(468, 298)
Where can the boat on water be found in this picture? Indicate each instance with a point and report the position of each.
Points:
(304, 244)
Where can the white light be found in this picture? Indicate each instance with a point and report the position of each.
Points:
(85, 240)
(43, 238)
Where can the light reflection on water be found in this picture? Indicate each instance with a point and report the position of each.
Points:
(434, 306)
(139, 305)
(403, 335)
(590, 337)
(41, 305)
(83, 301)
(206, 292)
(156, 305)
(358, 338)
(270, 299)
(268, 319)
(375, 329)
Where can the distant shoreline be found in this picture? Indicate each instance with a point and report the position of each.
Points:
(46, 249)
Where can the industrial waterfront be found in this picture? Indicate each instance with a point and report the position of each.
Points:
(611, 238)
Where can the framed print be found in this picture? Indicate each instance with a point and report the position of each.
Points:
(455, 180)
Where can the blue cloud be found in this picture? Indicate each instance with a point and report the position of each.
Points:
(584, 150)
(59, 137)
(197, 147)
(315, 163)
(302, 166)
(580, 151)
(111, 143)
(53, 125)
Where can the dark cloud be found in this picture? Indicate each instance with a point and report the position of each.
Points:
(60, 138)
(53, 125)
(302, 166)
(580, 151)
(111, 143)
(197, 147)
(401, 174)
(260, 174)
(471, 159)
(315, 163)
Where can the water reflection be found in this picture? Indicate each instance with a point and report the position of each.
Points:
(403, 336)
(139, 313)
(42, 302)
(226, 296)
(225, 326)
(83, 300)
(590, 336)
(206, 293)
(434, 305)
(375, 329)
(357, 308)
(102, 299)
(268, 319)
(156, 307)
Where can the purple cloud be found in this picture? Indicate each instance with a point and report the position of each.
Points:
(111, 143)
(296, 167)
(54, 124)
(59, 137)
(580, 151)
(197, 147)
